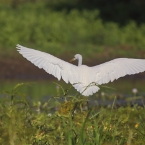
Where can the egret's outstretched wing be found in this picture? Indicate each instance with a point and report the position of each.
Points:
(117, 68)
(51, 64)
(82, 76)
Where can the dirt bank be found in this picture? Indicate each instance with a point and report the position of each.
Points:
(17, 67)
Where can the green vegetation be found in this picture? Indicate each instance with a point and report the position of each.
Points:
(118, 11)
(68, 119)
(36, 123)
(60, 32)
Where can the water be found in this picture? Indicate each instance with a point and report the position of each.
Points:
(42, 90)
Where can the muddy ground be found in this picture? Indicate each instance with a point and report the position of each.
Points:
(16, 67)
(19, 68)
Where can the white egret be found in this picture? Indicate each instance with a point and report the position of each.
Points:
(84, 79)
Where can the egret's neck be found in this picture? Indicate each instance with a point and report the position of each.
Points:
(79, 61)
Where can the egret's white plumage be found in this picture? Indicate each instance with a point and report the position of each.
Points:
(82, 77)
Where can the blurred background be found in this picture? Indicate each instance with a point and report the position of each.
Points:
(100, 30)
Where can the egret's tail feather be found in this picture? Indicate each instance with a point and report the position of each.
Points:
(86, 90)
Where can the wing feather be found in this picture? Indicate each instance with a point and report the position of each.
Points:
(117, 68)
(50, 64)
(82, 76)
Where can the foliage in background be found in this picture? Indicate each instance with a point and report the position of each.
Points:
(70, 122)
(59, 31)
(120, 11)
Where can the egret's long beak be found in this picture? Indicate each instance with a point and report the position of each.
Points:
(72, 60)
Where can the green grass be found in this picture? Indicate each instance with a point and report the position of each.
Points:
(22, 122)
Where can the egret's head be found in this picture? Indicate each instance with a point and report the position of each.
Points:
(77, 56)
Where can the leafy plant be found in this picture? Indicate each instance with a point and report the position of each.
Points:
(61, 32)
(22, 122)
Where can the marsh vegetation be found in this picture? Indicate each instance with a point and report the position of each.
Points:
(68, 120)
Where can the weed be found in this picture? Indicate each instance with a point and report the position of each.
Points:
(22, 122)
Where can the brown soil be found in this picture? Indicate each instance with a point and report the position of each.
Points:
(17, 67)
